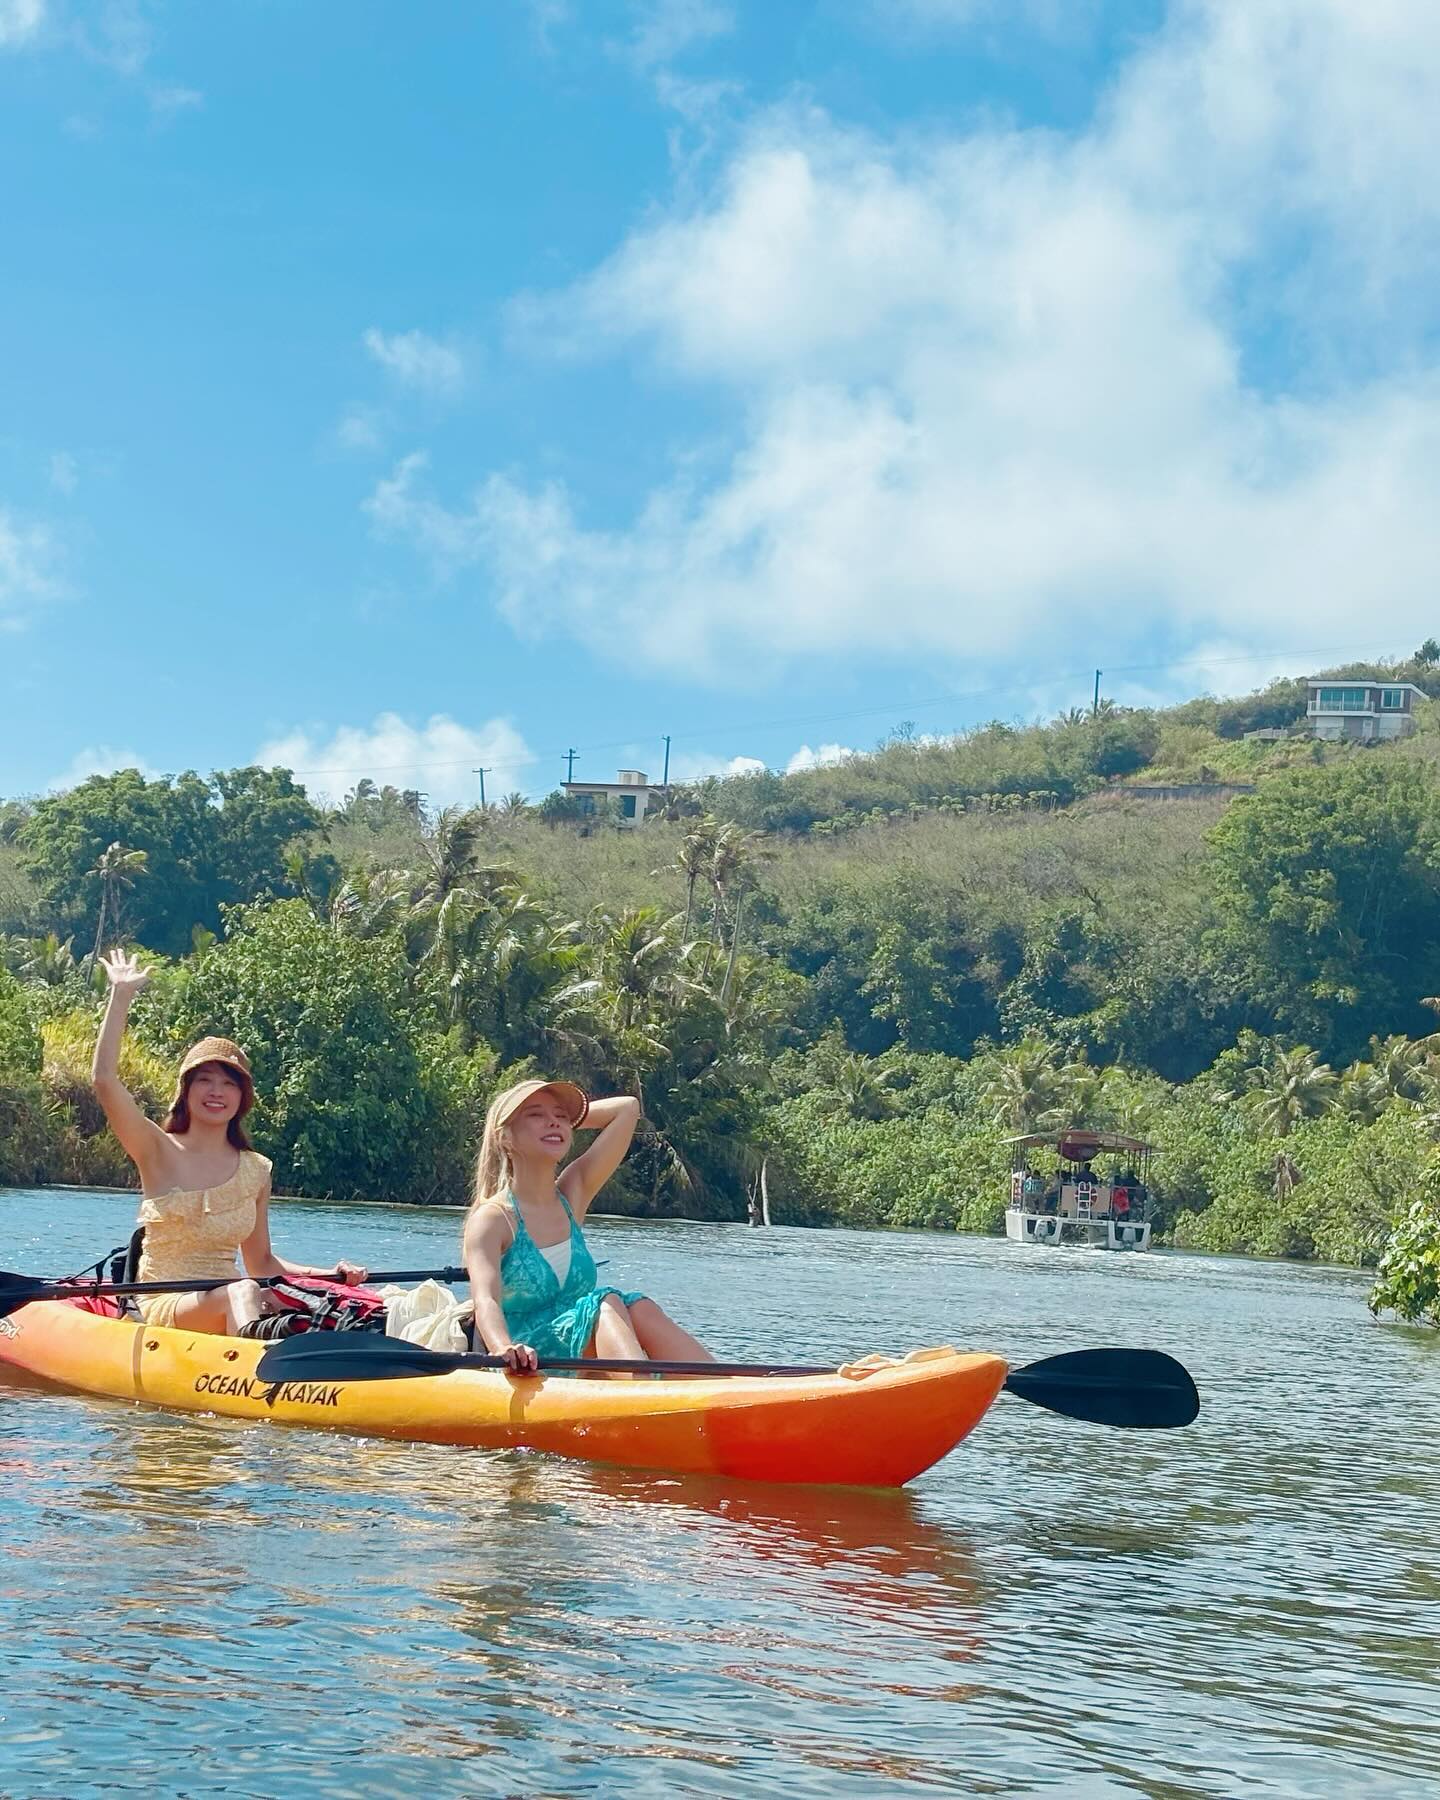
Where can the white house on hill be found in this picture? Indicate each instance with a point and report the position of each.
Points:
(1364, 709)
(630, 794)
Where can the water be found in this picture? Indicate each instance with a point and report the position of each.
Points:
(200, 1607)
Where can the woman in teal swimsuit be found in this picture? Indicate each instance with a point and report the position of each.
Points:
(531, 1271)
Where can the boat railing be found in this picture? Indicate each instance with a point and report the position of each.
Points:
(1101, 1198)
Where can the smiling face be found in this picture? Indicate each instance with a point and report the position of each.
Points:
(214, 1093)
(541, 1128)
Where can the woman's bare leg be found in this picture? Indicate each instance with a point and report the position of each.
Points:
(221, 1313)
(662, 1339)
(614, 1334)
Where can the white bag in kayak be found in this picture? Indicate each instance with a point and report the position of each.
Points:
(429, 1315)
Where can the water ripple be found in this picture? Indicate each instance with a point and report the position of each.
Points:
(200, 1606)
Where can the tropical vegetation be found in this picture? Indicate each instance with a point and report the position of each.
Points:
(849, 985)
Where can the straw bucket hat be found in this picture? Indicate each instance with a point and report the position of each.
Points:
(218, 1050)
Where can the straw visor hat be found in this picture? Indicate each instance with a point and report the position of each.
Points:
(571, 1097)
(217, 1050)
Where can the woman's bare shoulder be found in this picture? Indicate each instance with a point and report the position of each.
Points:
(490, 1219)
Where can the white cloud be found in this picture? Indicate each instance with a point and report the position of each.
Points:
(361, 428)
(99, 759)
(417, 361)
(168, 102)
(546, 16)
(439, 757)
(20, 21)
(64, 471)
(806, 758)
(27, 568)
(1053, 17)
(117, 33)
(999, 390)
(667, 29)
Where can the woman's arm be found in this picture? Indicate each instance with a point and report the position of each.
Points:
(487, 1237)
(140, 1137)
(615, 1120)
(260, 1259)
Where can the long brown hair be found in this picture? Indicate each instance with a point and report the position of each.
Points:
(177, 1120)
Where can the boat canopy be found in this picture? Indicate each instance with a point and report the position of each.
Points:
(1080, 1146)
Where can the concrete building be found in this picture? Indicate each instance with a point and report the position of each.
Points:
(1369, 711)
(630, 795)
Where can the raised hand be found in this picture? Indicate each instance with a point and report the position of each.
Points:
(126, 975)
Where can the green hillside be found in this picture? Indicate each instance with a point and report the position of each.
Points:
(860, 977)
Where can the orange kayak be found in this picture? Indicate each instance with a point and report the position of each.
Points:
(873, 1423)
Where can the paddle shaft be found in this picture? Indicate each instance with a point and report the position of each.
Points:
(60, 1290)
(1136, 1388)
(623, 1365)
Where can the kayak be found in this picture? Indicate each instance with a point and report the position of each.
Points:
(877, 1422)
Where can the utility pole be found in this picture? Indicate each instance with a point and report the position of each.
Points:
(1096, 705)
(482, 773)
(570, 756)
(665, 778)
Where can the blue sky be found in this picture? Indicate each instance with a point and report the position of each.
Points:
(394, 388)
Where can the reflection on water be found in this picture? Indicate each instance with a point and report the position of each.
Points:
(202, 1606)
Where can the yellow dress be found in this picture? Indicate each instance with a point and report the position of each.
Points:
(195, 1236)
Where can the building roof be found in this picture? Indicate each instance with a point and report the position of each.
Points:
(1079, 1146)
(1362, 681)
(612, 787)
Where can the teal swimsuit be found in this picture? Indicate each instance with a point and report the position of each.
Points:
(555, 1318)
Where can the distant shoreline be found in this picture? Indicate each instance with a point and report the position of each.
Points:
(75, 1187)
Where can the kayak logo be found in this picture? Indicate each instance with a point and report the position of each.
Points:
(244, 1387)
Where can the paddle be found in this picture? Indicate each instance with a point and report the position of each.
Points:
(19, 1290)
(1137, 1388)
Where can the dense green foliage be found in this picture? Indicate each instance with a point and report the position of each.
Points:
(1409, 1275)
(204, 844)
(859, 979)
(350, 1098)
(23, 1126)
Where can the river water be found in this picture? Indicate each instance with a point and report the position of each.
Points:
(200, 1607)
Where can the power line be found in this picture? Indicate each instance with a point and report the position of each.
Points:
(889, 707)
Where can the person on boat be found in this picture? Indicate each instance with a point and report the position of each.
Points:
(204, 1192)
(531, 1272)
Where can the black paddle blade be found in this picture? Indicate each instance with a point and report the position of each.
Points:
(19, 1290)
(1144, 1389)
(357, 1356)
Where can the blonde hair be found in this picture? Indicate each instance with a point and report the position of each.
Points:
(493, 1168)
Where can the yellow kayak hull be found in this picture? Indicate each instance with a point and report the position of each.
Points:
(877, 1423)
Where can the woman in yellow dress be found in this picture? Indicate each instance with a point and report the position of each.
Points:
(204, 1192)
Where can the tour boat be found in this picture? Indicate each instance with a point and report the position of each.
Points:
(1106, 1208)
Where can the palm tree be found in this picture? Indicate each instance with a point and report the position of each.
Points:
(118, 869)
(453, 852)
(45, 961)
(365, 905)
(1399, 1065)
(862, 1086)
(693, 861)
(515, 806)
(636, 958)
(1028, 1090)
(733, 853)
(1296, 1085)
